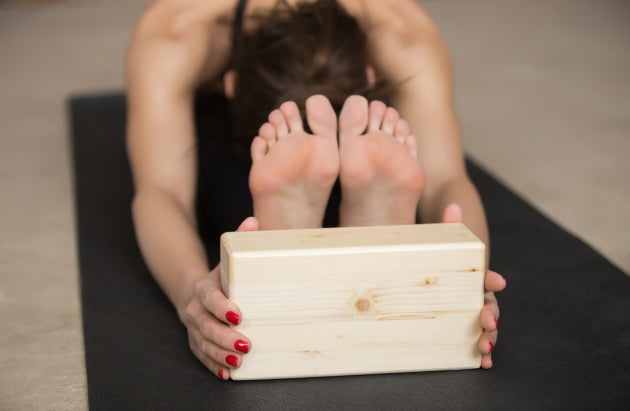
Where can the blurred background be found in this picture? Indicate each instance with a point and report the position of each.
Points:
(543, 92)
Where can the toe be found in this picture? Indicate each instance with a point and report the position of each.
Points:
(390, 120)
(411, 145)
(377, 112)
(353, 117)
(258, 148)
(277, 120)
(268, 132)
(401, 131)
(321, 116)
(292, 116)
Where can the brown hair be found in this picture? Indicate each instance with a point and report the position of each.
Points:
(311, 48)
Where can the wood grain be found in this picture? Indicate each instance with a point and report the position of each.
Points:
(340, 301)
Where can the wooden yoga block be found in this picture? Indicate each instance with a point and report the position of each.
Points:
(361, 300)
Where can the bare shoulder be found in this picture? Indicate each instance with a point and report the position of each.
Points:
(171, 17)
(404, 17)
(404, 42)
(182, 42)
(403, 31)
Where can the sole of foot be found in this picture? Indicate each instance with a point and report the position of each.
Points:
(293, 171)
(381, 178)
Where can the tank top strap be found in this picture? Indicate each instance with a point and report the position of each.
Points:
(238, 21)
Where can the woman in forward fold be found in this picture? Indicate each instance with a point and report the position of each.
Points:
(296, 79)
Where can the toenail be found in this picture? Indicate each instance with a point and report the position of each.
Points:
(491, 346)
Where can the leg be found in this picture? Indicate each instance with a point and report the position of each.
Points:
(381, 178)
(292, 171)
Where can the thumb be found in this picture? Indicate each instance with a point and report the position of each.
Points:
(452, 214)
(249, 224)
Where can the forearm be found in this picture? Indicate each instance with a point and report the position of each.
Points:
(175, 47)
(458, 190)
(169, 243)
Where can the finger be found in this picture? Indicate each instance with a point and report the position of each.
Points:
(226, 309)
(225, 337)
(212, 299)
(490, 317)
(224, 358)
(210, 293)
(487, 341)
(452, 214)
(486, 361)
(494, 282)
(217, 369)
(249, 224)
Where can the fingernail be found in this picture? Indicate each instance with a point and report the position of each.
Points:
(232, 317)
(496, 324)
(491, 346)
(221, 374)
(242, 346)
(232, 360)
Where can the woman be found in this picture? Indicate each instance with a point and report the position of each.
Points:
(294, 77)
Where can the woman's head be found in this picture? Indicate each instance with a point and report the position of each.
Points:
(312, 48)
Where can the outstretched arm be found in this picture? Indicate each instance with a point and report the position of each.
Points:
(407, 48)
(176, 46)
(166, 60)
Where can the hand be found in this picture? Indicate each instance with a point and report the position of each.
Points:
(215, 344)
(493, 282)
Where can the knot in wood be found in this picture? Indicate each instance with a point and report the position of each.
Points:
(363, 304)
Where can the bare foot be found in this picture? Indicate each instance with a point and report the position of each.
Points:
(292, 171)
(381, 178)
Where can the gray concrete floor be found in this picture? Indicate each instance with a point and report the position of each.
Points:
(543, 95)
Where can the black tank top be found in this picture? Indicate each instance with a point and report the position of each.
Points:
(237, 24)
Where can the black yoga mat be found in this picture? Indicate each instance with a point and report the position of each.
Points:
(564, 337)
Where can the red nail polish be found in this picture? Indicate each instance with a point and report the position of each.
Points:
(232, 360)
(496, 324)
(221, 374)
(242, 346)
(491, 346)
(232, 317)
